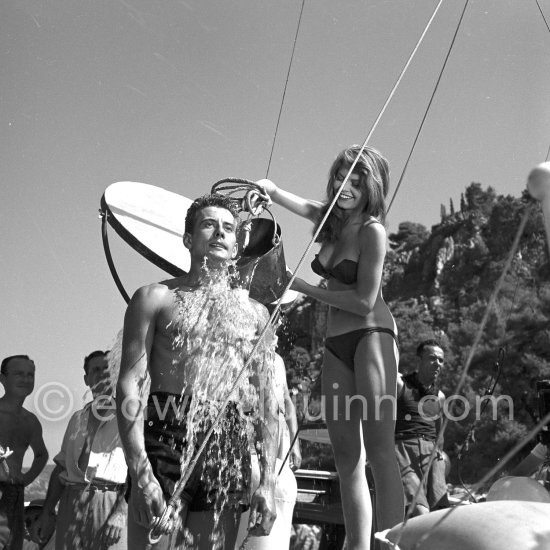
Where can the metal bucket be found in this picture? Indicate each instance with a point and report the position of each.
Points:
(262, 266)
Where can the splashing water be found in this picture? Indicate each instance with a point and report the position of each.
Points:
(214, 335)
(214, 330)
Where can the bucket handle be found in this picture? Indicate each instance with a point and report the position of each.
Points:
(240, 184)
(237, 185)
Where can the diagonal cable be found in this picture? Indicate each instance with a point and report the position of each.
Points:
(428, 107)
(284, 90)
(473, 349)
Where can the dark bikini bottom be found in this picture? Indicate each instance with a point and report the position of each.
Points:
(344, 346)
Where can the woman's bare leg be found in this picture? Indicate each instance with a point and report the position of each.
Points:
(375, 376)
(344, 428)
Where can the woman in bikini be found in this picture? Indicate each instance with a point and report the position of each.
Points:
(361, 356)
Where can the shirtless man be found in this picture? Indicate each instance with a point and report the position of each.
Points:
(149, 346)
(19, 430)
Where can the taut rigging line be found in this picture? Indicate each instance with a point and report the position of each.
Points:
(284, 90)
(428, 107)
(162, 524)
(471, 353)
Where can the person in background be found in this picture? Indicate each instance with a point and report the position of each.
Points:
(361, 355)
(89, 478)
(419, 406)
(33, 511)
(19, 430)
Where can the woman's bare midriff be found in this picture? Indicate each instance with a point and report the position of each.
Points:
(341, 321)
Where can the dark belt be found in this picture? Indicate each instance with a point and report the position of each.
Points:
(99, 485)
(410, 437)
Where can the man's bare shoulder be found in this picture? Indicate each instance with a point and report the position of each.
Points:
(7, 408)
(155, 289)
(153, 295)
(25, 419)
(31, 420)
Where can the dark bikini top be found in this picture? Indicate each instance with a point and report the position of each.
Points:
(344, 271)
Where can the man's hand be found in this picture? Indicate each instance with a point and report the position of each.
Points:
(295, 457)
(262, 512)
(116, 522)
(43, 528)
(148, 501)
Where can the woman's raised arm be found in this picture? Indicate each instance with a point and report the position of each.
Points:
(306, 208)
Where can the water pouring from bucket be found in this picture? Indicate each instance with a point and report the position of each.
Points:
(213, 334)
(261, 264)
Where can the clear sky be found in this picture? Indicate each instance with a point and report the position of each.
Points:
(182, 93)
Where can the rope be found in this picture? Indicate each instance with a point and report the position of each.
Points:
(548, 27)
(428, 107)
(471, 354)
(491, 387)
(542, 13)
(490, 391)
(284, 90)
(288, 452)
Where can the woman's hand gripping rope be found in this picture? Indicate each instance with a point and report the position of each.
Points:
(256, 200)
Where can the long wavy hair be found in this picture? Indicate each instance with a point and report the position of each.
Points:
(374, 178)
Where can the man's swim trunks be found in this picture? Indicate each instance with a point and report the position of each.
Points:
(221, 474)
(12, 506)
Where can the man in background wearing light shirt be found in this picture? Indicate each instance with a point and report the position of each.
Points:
(89, 478)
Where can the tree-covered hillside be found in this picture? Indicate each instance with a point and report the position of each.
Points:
(438, 283)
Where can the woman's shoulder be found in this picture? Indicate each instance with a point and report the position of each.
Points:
(372, 226)
(372, 221)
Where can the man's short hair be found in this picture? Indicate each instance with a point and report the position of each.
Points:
(427, 344)
(88, 358)
(4, 366)
(215, 199)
